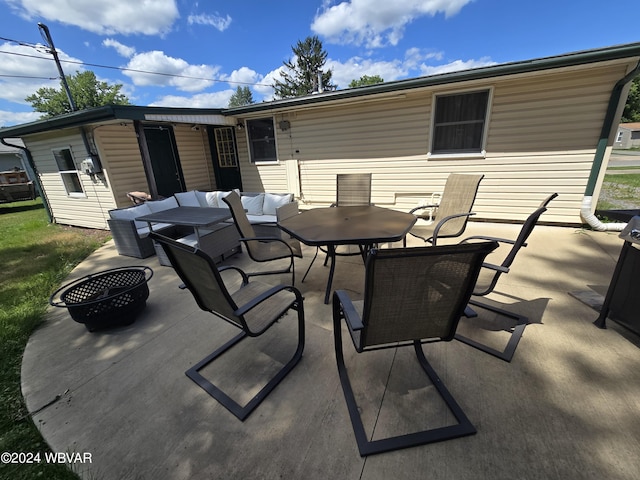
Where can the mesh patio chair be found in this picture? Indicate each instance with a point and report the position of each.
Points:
(352, 190)
(453, 210)
(253, 309)
(489, 276)
(412, 296)
(263, 249)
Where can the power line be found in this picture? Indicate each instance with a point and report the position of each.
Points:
(123, 69)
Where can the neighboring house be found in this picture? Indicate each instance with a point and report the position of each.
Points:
(532, 128)
(12, 158)
(628, 136)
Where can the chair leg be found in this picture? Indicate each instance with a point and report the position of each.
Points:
(310, 265)
(242, 412)
(366, 447)
(516, 332)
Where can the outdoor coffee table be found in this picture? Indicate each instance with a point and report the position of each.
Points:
(335, 226)
(199, 218)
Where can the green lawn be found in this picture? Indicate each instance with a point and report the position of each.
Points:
(35, 257)
(620, 191)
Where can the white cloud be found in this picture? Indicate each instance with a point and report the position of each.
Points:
(216, 21)
(200, 76)
(201, 100)
(15, 118)
(104, 17)
(455, 66)
(23, 62)
(376, 23)
(123, 50)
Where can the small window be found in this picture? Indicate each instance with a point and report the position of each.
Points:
(68, 172)
(262, 140)
(619, 137)
(459, 122)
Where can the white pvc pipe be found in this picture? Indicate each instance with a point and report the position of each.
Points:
(594, 222)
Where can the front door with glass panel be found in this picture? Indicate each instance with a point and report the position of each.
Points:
(225, 158)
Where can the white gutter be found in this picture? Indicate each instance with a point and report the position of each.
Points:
(593, 221)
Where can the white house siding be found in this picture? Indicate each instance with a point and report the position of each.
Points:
(542, 134)
(263, 177)
(87, 211)
(195, 159)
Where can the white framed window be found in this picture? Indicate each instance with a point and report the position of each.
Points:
(262, 140)
(226, 147)
(459, 122)
(68, 172)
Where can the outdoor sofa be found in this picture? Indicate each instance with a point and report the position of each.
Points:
(131, 237)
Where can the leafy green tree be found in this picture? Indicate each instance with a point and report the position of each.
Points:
(86, 90)
(301, 74)
(242, 96)
(632, 108)
(366, 80)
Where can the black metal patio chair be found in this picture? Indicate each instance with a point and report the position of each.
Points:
(452, 212)
(489, 276)
(352, 190)
(412, 296)
(263, 249)
(253, 309)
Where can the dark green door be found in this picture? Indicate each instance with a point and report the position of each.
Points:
(222, 142)
(165, 162)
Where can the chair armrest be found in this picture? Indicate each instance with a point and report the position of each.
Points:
(265, 295)
(421, 207)
(497, 268)
(265, 239)
(434, 237)
(245, 278)
(350, 313)
(483, 237)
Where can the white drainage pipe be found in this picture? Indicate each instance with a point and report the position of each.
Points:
(594, 222)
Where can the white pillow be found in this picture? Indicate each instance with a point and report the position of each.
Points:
(273, 201)
(187, 199)
(161, 205)
(202, 198)
(221, 203)
(253, 205)
(132, 213)
(211, 199)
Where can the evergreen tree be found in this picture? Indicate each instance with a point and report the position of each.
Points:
(86, 90)
(366, 80)
(632, 108)
(301, 74)
(242, 96)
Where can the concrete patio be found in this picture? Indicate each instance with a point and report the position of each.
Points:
(566, 407)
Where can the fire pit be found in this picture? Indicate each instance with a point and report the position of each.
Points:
(106, 299)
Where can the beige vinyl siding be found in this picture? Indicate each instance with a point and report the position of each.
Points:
(542, 134)
(263, 177)
(121, 160)
(85, 211)
(195, 158)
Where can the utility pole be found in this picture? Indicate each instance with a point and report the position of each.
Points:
(44, 31)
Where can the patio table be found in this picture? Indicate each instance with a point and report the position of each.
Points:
(357, 225)
(199, 218)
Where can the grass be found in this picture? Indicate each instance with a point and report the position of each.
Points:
(620, 192)
(35, 257)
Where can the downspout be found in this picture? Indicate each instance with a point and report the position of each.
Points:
(36, 176)
(607, 125)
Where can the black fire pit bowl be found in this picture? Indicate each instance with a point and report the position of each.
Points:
(107, 299)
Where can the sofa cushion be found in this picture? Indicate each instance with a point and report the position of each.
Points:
(187, 199)
(160, 205)
(256, 219)
(144, 231)
(132, 213)
(253, 205)
(272, 201)
(211, 199)
(221, 195)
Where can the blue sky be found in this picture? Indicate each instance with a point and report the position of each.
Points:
(206, 49)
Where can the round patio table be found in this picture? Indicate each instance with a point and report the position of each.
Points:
(358, 225)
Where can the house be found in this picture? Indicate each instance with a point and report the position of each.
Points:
(532, 128)
(628, 136)
(12, 157)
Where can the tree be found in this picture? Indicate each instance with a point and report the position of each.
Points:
(242, 96)
(632, 108)
(301, 78)
(86, 90)
(366, 80)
